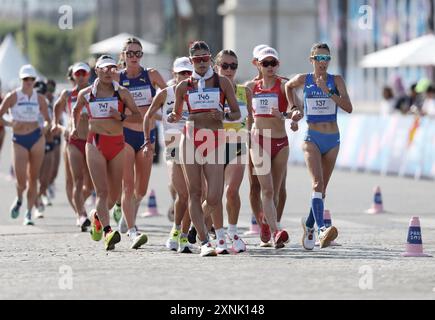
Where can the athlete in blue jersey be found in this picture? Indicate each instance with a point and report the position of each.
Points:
(137, 169)
(323, 93)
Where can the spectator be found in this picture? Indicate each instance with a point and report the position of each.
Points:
(388, 102)
(428, 108)
(410, 103)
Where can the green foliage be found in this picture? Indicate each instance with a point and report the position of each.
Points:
(50, 49)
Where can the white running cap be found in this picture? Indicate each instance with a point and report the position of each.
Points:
(257, 50)
(27, 71)
(266, 53)
(81, 66)
(182, 64)
(105, 61)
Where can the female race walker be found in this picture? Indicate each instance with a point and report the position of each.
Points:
(137, 170)
(205, 94)
(106, 102)
(165, 99)
(29, 143)
(75, 153)
(323, 92)
(226, 66)
(268, 133)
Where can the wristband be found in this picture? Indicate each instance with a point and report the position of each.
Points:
(330, 94)
(123, 117)
(227, 116)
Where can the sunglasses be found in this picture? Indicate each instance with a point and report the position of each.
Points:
(29, 78)
(321, 57)
(131, 54)
(232, 66)
(109, 69)
(272, 63)
(81, 73)
(185, 73)
(199, 59)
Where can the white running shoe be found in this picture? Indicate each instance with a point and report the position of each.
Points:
(28, 220)
(327, 235)
(78, 224)
(138, 240)
(172, 242)
(266, 244)
(39, 214)
(221, 246)
(238, 245)
(207, 250)
(184, 245)
(309, 236)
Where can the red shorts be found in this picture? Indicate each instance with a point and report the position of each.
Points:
(79, 144)
(109, 146)
(219, 138)
(276, 144)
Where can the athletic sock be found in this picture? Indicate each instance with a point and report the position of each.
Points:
(317, 209)
(310, 220)
(232, 230)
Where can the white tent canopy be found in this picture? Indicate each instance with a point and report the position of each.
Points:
(415, 53)
(114, 45)
(11, 60)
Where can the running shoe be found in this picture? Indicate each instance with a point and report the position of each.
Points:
(39, 214)
(309, 236)
(110, 239)
(237, 244)
(51, 191)
(172, 242)
(46, 201)
(138, 240)
(84, 223)
(221, 247)
(184, 245)
(96, 227)
(212, 233)
(15, 209)
(326, 236)
(117, 213)
(207, 250)
(280, 238)
(28, 220)
(265, 234)
(191, 235)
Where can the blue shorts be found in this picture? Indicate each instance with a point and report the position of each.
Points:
(27, 140)
(136, 139)
(324, 141)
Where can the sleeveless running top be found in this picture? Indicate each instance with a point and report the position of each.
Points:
(26, 109)
(168, 107)
(264, 100)
(209, 99)
(99, 108)
(72, 101)
(317, 106)
(140, 88)
(242, 100)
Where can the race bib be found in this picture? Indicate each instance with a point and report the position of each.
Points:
(142, 96)
(320, 106)
(208, 99)
(263, 103)
(101, 107)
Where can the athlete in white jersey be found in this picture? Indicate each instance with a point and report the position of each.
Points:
(29, 143)
(165, 99)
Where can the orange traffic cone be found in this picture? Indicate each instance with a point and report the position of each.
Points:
(414, 243)
(327, 219)
(152, 206)
(378, 206)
